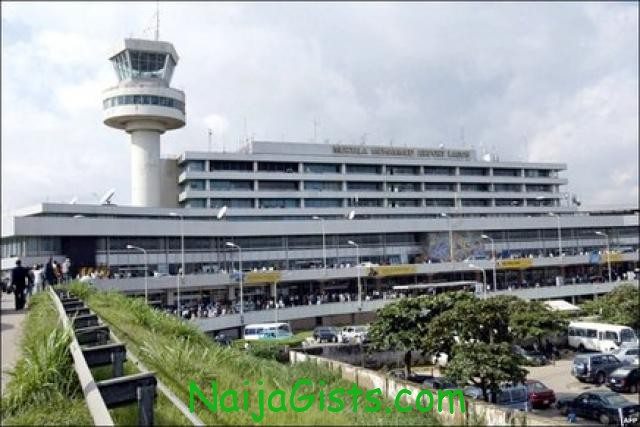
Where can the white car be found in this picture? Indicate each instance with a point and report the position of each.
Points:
(628, 355)
(353, 334)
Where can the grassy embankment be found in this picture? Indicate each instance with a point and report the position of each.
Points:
(45, 389)
(180, 353)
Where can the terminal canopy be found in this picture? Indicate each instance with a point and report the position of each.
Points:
(145, 59)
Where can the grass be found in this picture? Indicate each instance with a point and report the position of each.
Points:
(179, 353)
(44, 388)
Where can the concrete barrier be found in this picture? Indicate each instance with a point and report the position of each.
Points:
(476, 412)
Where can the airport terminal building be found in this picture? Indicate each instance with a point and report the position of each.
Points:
(303, 216)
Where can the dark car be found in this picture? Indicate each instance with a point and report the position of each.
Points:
(413, 377)
(600, 405)
(325, 334)
(540, 396)
(594, 367)
(531, 357)
(625, 379)
(439, 383)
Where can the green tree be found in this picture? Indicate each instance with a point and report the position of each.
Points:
(404, 324)
(486, 365)
(621, 306)
(533, 319)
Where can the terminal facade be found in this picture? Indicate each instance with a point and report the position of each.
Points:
(315, 217)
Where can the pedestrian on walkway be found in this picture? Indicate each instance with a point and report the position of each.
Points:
(19, 280)
(66, 270)
(49, 273)
(38, 278)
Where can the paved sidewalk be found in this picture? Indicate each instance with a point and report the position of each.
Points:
(11, 330)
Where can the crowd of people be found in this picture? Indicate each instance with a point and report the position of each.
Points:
(25, 281)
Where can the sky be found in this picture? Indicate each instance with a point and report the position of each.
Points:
(551, 82)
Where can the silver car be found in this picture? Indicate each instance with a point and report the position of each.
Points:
(628, 355)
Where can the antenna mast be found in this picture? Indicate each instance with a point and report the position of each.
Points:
(157, 20)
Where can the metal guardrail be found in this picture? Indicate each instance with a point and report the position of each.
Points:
(103, 348)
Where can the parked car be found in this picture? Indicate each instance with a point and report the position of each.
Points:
(413, 377)
(513, 397)
(354, 334)
(532, 357)
(439, 383)
(628, 355)
(594, 367)
(325, 334)
(625, 379)
(540, 396)
(601, 405)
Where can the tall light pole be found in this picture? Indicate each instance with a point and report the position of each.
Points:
(560, 254)
(181, 275)
(233, 245)
(220, 215)
(352, 243)
(484, 279)
(600, 233)
(146, 267)
(443, 214)
(493, 256)
(324, 246)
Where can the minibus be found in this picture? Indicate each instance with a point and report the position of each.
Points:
(262, 331)
(603, 337)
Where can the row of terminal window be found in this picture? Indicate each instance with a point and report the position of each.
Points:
(396, 187)
(334, 168)
(162, 101)
(284, 203)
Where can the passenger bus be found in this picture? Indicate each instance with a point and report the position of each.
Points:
(267, 331)
(603, 337)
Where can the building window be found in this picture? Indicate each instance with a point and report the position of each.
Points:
(439, 186)
(364, 169)
(279, 203)
(230, 185)
(231, 203)
(537, 173)
(512, 188)
(196, 184)
(474, 171)
(143, 100)
(195, 203)
(506, 172)
(439, 170)
(323, 186)
(364, 186)
(323, 203)
(370, 203)
(228, 165)
(474, 187)
(400, 187)
(545, 188)
(321, 168)
(475, 202)
(194, 166)
(277, 167)
(404, 203)
(508, 202)
(439, 202)
(403, 170)
(278, 185)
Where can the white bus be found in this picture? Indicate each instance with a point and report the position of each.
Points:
(267, 331)
(600, 336)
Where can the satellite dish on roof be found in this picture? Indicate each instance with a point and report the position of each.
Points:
(351, 215)
(222, 212)
(74, 200)
(106, 199)
(441, 146)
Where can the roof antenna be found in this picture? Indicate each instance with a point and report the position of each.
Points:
(157, 20)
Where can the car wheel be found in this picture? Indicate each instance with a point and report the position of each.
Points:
(633, 388)
(604, 419)
(580, 348)
(600, 378)
(582, 380)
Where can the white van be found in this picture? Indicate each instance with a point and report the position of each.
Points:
(267, 331)
(600, 336)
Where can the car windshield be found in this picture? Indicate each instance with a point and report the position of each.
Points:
(627, 335)
(615, 400)
(578, 360)
(621, 372)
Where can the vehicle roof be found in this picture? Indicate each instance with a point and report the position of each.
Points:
(265, 325)
(597, 325)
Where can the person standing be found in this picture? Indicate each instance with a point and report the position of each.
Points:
(49, 273)
(19, 278)
(66, 270)
(38, 278)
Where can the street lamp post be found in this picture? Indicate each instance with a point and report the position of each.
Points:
(560, 254)
(352, 243)
(493, 256)
(443, 214)
(182, 272)
(146, 267)
(600, 233)
(233, 245)
(324, 246)
(484, 279)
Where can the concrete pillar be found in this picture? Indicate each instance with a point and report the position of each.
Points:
(145, 168)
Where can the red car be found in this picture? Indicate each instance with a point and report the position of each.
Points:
(540, 396)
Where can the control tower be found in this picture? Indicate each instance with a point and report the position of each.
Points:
(145, 107)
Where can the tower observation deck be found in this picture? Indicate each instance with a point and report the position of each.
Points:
(144, 106)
